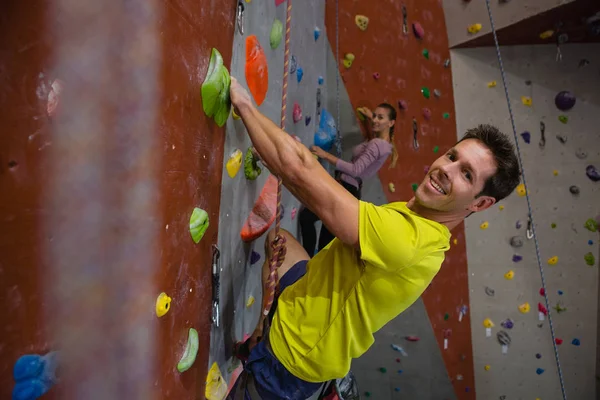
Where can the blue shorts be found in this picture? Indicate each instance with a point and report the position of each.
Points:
(272, 380)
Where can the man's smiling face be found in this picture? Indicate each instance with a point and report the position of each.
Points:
(456, 178)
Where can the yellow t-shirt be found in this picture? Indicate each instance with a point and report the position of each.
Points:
(328, 317)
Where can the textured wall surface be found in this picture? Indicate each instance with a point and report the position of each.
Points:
(96, 200)
(461, 14)
(401, 77)
(570, 283)
(240, 279)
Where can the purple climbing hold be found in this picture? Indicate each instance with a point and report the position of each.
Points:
(592, 173)
(517, 258)
(518, 225)
(254, 257)
(402, 104)
(564, 100)
(526, 136)
(507, 324)
(538, 356)
(418, 30)
(307, 120)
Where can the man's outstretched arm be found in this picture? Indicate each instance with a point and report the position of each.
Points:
(300, 172)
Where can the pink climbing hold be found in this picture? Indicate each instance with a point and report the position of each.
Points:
(376, 75)
(402, 104)
(279, 2)
(412, 338)
(293, 212)
(297, 113)
(418, 30)
(427, 113)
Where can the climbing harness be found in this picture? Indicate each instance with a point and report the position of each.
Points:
(278, 244)
(532, 225)
(338, 135)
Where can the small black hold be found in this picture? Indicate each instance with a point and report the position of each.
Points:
(516, 241)
(592, 173)
(12, 164)
(583, 62)
(562, 138)
(581, 154)
(574, 190)
(447, 63)
(528, 82)
(489, 291)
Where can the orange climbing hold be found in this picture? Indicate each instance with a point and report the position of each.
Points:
(263, 213)
(257, 70)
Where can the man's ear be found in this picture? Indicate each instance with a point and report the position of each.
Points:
(482, 203)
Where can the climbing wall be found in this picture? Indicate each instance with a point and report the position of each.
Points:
(502, 278)
(241, 263)
(461, 14)
(99, 176)
(394, 67)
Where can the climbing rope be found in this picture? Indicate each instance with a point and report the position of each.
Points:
(278, 244)
(537, 248)
(338, 135)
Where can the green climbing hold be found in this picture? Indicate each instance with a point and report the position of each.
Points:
(276, 33)
(446, 316)
(436, 149)
(215, 90)
(415, 186)
(563, 118)
(383, 370)
(589, 259)
(591, 225)
(426, 53)
(191, 350)
(446, 115)
(198, 224)
(251, 168)
(425, 92)
(553, 225)
(367, 394)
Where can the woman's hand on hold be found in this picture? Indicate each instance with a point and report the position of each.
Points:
(366, 112)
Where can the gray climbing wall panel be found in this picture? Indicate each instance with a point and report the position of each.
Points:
(489, 253)
(424, 374)
(239, 279)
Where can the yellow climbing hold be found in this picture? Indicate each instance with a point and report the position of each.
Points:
(234, 163)
(488, 323)
(524, 308)
(492, 84)
(509, 275)
(521, 191)
(501, 207)
(526, 100)
(234, 115)
(392, 187)
(553, 260)
(348, 60)
(163, 303)
(216, 386)
(555, 172)
(474, 28)
(362, 22)
(546, 34)
(250, 301)
(484, 225)
(487, 367)
(455, 241)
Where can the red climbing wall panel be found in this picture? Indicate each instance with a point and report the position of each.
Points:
(186, 161)
(383, 49)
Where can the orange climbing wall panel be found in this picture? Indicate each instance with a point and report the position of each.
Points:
(383, 49)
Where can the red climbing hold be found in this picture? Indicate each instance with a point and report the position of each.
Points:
(542, 309)
(376, 75)
(412, 338)
(558, 341)
(542, 292)
(418, 30)
(263, 213)
(427, 113)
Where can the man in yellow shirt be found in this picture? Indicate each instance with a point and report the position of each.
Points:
(381, 261)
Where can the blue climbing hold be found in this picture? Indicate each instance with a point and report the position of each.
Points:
(317, 33)
(321, 80)
(399, 371)
(254, 257)
(397, 389)
(560, 292)
(526, 136)
(325, 135)
(575, 342)
(591, 242)
(299, 74)
(539, 371)
(34, 375)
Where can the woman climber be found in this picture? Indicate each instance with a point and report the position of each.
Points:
(367, 159)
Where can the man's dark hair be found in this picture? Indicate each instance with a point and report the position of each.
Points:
(507, 175)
